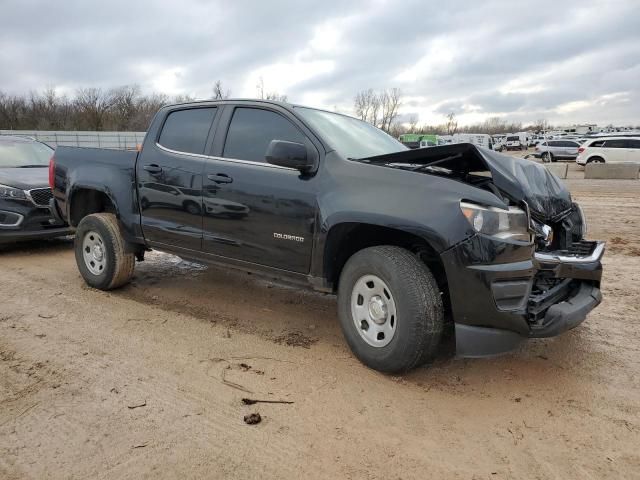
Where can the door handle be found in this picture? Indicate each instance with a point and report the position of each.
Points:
(153, 168)
(220, 178)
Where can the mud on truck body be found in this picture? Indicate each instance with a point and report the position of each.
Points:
(411, 241)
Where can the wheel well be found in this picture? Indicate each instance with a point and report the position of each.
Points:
(345, 239)
(86, 201)
(594, 157)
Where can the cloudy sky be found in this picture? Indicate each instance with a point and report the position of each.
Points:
(565, 61)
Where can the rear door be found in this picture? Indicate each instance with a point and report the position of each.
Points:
(571, 148)
(169, 173)
(615, 150)
(254, 211)
(633, 150)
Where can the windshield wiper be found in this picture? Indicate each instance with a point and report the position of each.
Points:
(437, 162)
(32, 166)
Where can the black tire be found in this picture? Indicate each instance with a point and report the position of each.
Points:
(118, 263)
(418, 304)
(547, 157)
(596, 160)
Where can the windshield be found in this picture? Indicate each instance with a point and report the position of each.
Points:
(513, 139)
(24, 154)
(350, 137)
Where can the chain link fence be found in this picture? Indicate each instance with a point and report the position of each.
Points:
(116, 140)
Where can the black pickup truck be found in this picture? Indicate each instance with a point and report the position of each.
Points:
(410, 240)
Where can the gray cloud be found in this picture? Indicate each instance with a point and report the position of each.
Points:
(575, 61)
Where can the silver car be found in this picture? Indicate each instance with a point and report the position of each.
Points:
(552, 150)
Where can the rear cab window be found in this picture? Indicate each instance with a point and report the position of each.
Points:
(251, 131)
(187, 130)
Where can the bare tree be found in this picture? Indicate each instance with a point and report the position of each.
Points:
(390, 102)
(13, 111)
(452, 124)
(125, 105)
(219, 93)
(367, 106)
(183, 98)
(413, 124)
(378, 108)
(93, 105)
(146, 108)
(541, 125)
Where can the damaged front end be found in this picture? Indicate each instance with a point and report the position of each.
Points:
(504, 289)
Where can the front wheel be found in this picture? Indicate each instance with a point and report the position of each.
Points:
(101, 252)
(390, 309)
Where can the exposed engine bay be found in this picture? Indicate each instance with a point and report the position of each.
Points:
(556, 221)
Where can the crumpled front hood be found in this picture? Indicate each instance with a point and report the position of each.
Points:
(517, 178)
(525, 180)
(25, 178)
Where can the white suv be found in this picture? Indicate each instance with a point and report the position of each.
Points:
(609, 150)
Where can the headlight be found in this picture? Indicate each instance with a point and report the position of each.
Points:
(10, 192)
(510, 224)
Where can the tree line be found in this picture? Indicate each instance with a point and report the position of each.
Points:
(126, 108)
(123, 108)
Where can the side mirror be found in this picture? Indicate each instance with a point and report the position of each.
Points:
(290, 155)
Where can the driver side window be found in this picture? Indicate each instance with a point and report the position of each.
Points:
(251, 131)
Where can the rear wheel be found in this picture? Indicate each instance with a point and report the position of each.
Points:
(101, 252)
(596, 160)
(390, 308)
(547, 157)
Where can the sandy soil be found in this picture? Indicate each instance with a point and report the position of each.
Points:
(147, 381)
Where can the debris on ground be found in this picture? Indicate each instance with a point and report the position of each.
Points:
(295, 339)
(251, 401)
(252, 419)
(138, 405)
(230, 383)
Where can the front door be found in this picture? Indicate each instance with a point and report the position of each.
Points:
(254, 211)
(169, 173)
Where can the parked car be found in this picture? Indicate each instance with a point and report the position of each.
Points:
(514, 142)
(609, 150)
(407, 239)
(25, 192)
(554, 150)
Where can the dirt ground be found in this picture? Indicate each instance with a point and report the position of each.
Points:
(148, 381)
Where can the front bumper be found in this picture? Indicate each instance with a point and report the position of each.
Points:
(21, 221)
(504, 293)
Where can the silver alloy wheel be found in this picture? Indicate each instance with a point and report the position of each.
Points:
(94, 252)
(373, 310)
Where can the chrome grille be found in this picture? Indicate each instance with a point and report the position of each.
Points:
(41, 196)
